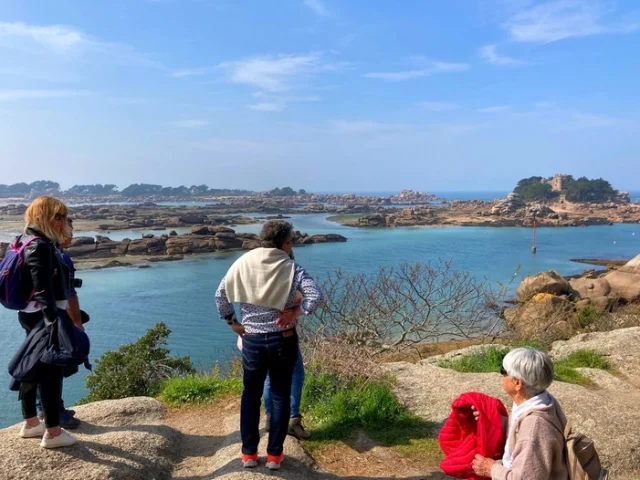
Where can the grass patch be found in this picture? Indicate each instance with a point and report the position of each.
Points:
(565, 370)
(585, 359)
(490, 360)
(337, 408)
(198, 389)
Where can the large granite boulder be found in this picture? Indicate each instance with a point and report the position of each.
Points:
(590, 287)
(624, 285)
(633, 266)
(544, 316)
(546, 282)
(119, 439)
(147, 246)
(619, 346)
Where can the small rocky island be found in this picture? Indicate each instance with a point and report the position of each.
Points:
(559, 201)
(102, 252)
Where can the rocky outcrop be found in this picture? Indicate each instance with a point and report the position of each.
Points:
(119, 439)
(507, 206)
(203, 239)
(544, 316)
(546, 282)
(625, 282)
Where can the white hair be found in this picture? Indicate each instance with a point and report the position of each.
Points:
(532, 366)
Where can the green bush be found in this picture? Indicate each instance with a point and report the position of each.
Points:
(136, 369)
(490, 360)
(198, 389)
(588, 316)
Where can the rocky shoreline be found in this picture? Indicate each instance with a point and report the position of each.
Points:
(102, 252)
(508, 212)
(551, 306)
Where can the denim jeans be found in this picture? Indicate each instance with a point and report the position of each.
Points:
(272, 354)
(296, 390)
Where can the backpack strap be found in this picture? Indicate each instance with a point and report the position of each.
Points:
(23, 244)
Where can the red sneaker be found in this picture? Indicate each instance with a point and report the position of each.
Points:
(273, 461)
(250, 461)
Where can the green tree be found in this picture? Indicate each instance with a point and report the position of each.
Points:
(136, 369)
(585, 190)
(533, 190)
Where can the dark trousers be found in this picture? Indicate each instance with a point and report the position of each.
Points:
(45, 378)
(274, 354)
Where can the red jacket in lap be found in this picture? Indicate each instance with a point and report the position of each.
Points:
(462, 437)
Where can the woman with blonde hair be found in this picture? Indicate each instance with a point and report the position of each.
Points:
(45, 279)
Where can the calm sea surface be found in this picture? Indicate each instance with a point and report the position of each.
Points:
(124, 303)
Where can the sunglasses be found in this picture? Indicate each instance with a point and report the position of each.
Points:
(503, 372)
(59, 216)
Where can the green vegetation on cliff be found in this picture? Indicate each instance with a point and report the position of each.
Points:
(537, 189)
(136, 369)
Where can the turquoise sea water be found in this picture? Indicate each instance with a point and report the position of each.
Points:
(124, 303)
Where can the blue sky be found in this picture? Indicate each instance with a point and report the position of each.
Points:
(359, 95)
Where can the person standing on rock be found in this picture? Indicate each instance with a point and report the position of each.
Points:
(46, 274)
(266, 282)
(67, 417)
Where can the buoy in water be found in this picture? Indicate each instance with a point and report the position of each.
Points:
(534, 249)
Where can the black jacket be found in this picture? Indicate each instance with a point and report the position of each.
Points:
(45, 273)
(59, 343)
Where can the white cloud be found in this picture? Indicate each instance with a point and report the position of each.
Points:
(427, 68)
(65, 41)
(495, 109)
(439, 106)
(267, 107)
(17, 95)
(274, 73)
(559, 19)
(318, 7)
(192, 72)
(489, 54)
(191, 123)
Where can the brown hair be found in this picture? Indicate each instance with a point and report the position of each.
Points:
(276, 233)
(42, 212)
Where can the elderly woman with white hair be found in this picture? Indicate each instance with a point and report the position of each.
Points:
(535, 442)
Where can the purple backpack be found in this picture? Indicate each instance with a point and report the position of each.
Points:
(11, 290)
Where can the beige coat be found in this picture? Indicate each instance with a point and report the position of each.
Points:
(538, 448)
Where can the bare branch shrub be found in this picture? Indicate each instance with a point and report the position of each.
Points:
(401, 307)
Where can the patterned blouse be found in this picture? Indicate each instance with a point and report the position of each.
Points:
(256, 319)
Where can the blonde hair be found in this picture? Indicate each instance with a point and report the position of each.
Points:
(41, 214)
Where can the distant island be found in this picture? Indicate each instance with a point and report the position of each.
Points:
(558, 201)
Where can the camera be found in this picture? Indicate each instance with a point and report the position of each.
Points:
(77, 283)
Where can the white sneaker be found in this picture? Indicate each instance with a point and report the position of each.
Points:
(32, 432)
(65, 439)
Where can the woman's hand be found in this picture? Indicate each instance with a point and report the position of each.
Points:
(482, 466)
(476, 413)
(289, 316)
(238, 328)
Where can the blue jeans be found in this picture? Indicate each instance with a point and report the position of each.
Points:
(273, 354)
(296, 390)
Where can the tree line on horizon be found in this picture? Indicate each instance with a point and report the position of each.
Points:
(535, 189)
(134, 190)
